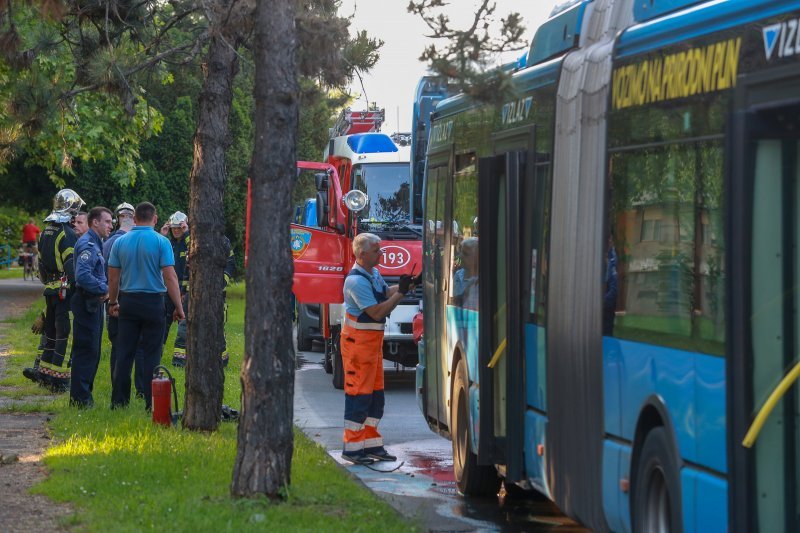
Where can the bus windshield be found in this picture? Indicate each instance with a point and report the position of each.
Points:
(388, 186)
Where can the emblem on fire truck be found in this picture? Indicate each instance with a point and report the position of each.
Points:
(300, 241)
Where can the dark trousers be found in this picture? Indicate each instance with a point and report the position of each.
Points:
(141, 328)
(56, 329)
(180, 337)
(87, 334)
(139, 383)
(169, 308)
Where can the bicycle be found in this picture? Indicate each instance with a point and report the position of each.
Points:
(29, 263)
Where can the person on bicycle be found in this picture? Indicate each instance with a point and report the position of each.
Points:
(30, 234)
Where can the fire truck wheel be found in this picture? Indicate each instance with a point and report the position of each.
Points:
(304, 343)
(338, 366)
(472, 479)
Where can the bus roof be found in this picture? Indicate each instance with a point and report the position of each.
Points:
(524, 80)
(697, 20)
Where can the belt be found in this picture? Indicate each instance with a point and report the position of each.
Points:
(88, 294)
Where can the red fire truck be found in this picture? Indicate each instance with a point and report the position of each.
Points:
(364, 185)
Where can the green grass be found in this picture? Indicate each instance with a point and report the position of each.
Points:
(122, 473)
(13, 272)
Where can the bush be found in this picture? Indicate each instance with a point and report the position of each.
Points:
(11, 221)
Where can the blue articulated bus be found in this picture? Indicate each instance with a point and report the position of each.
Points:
(612, 263)
(430, 91)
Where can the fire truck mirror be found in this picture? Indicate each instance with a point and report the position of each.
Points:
(321, 181)
(322, 209)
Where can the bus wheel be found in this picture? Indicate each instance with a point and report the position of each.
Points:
(338, 366)
(472, 479)
(656, 499)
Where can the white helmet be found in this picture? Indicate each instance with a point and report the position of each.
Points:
(66, 204)
(177, 219)
(124, 206)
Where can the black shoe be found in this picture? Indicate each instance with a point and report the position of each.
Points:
(32, 374)
(58, 385)
(381, 455)
(357, 458)
(229, 415)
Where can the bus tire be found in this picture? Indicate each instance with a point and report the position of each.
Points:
(472, 479)
(338, 365)
(656, 489)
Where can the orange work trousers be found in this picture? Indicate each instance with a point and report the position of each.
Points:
(362, 358)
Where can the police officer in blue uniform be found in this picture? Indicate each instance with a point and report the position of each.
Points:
(87, 306)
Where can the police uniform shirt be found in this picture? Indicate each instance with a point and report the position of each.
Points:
(90, 270)
(358, 292)
(110, 242)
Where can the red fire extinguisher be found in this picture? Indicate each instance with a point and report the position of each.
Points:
(161, 388)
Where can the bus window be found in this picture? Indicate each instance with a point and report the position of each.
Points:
(667, 218)
(465, 234)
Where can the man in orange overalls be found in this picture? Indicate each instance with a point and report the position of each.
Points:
(368, 301)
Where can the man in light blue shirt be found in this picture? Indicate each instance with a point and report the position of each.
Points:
(140, 270)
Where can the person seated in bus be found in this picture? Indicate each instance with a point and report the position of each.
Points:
(465, 280)
(610, 295)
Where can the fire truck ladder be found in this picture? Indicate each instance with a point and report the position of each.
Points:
(352, 122)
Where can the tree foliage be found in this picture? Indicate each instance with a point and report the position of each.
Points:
(73, 76)
(467, 55)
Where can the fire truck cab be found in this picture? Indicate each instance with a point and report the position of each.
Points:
(375, 167)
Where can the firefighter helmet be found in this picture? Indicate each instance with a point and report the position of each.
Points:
(124, 206)
(177, 219)
(66, 204)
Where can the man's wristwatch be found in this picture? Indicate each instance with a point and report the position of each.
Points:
(112, 304)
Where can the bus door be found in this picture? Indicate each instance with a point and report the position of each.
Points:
(434, 287)
(503, 180)
(764, 365)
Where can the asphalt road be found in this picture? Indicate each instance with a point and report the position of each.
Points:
(423, 488)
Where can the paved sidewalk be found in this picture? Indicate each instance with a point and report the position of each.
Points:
(23, 437)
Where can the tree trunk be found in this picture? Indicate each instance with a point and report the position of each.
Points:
(207, 252)
(264, 455)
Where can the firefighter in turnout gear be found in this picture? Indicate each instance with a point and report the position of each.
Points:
(177, 231)
(179, 352)
(368, 301)
(57, 272)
